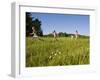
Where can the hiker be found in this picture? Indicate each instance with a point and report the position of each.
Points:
(76, 34)
(55, 34)
(34, 33)
(72, 36)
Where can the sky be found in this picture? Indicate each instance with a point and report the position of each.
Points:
(68, 23)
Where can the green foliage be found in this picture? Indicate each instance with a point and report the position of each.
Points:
(48, 35)
(47, 51)
(37, 26)
(83, 36)
(61, 34)
(30, 22)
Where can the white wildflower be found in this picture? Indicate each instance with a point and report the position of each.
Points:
(55, 54)
(49, 57)
(59, 52)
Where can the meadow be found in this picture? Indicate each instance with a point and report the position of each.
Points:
(47, 51)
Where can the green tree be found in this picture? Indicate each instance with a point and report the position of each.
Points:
(61, 34)
(37, 26)
(30, 22)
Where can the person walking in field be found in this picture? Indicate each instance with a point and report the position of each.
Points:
(35, 36)
(34, 33)
(76, 34)
(55, 35)
(72, 36)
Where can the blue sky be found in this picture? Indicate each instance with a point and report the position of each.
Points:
(68, 23)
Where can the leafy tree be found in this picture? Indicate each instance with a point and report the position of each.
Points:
(48, 35)
(30, 22)
(37, 26)
(61, 34)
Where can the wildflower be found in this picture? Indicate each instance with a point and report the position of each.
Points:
(59, 52)
(50, 57)
(55, 54)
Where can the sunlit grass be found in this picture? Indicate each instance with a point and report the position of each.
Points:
(50, 52)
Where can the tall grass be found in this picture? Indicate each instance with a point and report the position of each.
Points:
(50, 52)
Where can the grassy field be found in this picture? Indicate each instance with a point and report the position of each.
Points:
(49, 52)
